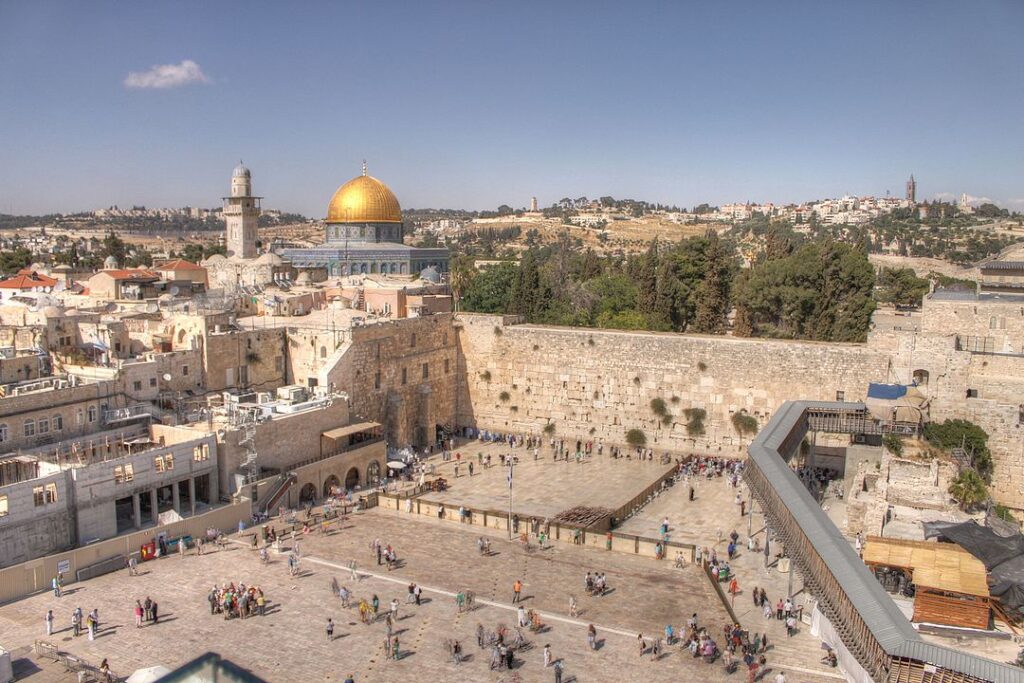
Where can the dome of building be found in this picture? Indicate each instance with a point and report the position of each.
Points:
(430, 274)
(364, 199)
(240, 172)
(110, 263)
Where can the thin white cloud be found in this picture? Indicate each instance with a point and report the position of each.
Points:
(167, 76)
(945, 196)
(971, 199)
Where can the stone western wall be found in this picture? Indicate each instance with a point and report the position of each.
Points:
(599, 383)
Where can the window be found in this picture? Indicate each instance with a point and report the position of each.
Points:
(201, 452)
(184, 371)
(378, 350)
(3, 506)
(92, 413)
(137, 385)
(840, 395)
(972, 393)
(412, 343)
(43, 425)
(403, 376)
(30, 428)
(376, 380)
(124, 473)
(57, 422)
(44, 495)
(152, 381)
(426, 371)
(323, 352)
(158, 463)
(446, 366)
(3, 433)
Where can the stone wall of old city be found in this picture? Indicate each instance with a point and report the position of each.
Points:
(600, 383)
(400, 373)
(985, 387)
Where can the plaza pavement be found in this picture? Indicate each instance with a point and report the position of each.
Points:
(541, 487)
(289, 644)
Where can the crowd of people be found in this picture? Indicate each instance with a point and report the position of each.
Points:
(237, 602)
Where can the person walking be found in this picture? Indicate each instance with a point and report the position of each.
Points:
(417, 592)
(56, 586)
(547, 656)
(517, 589)
(49, 622)
(573, 607)
(156, 615)
(592, 637)
(138, 614)
(780, 677)
(558, 671)
(330, 629)
(394, 648)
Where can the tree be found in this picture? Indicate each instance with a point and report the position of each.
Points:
(962, 434)
(647, 279)
(901, 287)
(489, 292)
(114, 246)
(713, 293)
(461, 277)
(894, 444)
(968, 489)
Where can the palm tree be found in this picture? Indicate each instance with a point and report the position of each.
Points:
(460, 278)
(968, 489)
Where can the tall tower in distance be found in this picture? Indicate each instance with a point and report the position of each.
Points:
(912, 189)
(533, 204)
(241, 215)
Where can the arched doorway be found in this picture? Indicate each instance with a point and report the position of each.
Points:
(921, 378)
(373, 472)
(307, 494)
(331, 484)
(352, 479)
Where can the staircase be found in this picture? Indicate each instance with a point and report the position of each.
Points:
(277, 492)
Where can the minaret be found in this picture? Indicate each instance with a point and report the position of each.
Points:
(241, 215)
(912, 189)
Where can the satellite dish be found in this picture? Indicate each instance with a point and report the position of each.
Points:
(167, 377)
(175, 290)
(152, 308)
(111, 307)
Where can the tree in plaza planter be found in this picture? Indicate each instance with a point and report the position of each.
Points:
(636, 438)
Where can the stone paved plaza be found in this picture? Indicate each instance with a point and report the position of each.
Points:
(542, 487)
(290, 642)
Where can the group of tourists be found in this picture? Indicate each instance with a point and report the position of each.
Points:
(783, 610)
(237, 602)
(384, 553)
(146, 612)
(80, 621)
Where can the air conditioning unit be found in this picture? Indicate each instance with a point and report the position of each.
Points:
(293, 393)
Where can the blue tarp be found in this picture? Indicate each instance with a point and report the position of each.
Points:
(887, 392)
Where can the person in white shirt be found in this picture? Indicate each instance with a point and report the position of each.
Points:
(780, 678)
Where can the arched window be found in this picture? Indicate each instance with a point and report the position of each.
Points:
(79, 417)
(921, 378)
(323, 352)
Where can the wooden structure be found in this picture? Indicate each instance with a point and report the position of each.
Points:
(952, 587)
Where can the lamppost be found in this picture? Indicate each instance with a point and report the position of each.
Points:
(511, 464)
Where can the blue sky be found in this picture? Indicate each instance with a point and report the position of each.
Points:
(473, 104)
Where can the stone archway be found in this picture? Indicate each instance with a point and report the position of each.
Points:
(352, 479)
(331, 485)
(307, 494)
(373, 472)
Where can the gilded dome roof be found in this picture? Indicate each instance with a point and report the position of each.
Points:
(364, 199)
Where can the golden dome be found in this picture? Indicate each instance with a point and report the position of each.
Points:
(364, 199)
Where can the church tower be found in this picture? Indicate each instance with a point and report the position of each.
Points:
(912, 189)
(241, 215)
